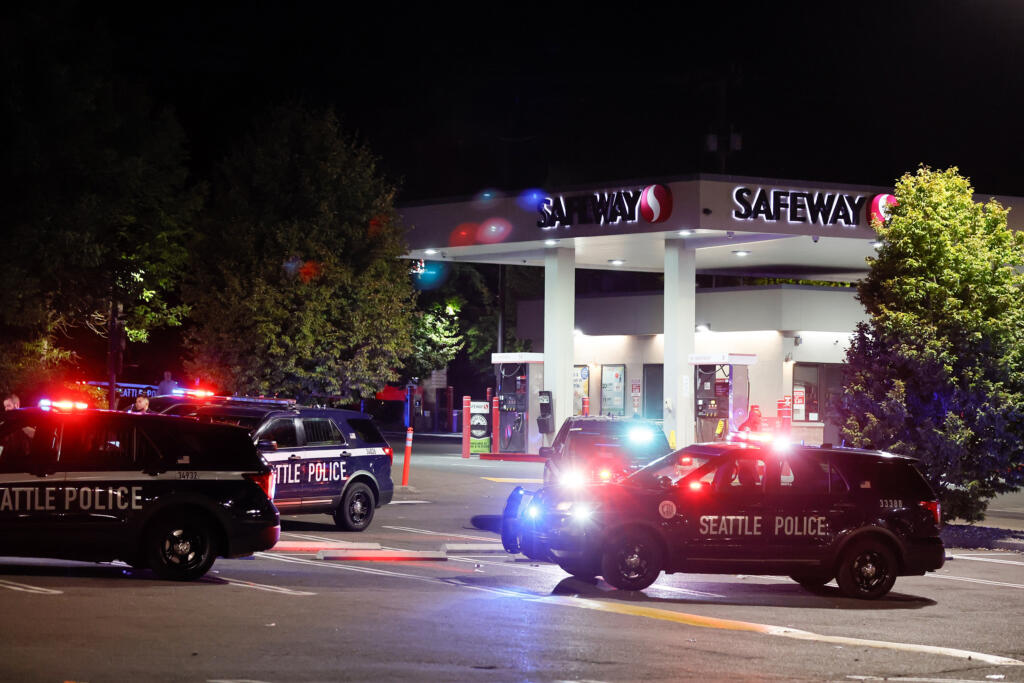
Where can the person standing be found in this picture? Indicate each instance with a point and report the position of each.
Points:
(167, 386)
(141, 405)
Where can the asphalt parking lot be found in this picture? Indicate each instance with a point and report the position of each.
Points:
(481, 614)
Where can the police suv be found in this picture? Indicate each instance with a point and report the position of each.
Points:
(814, 514)
(158, 492)
(326, 460)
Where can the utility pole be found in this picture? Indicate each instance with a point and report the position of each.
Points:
(115, 350)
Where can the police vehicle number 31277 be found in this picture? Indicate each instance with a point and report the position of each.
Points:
(160, 492)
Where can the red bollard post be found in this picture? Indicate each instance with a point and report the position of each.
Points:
(586, 406)
(408, 457)
(465, 426)
(495, 425)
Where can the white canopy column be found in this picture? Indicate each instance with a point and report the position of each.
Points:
(559, 322)
(680, 323)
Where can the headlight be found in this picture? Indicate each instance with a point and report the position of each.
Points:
(572, 479)
(581, 512)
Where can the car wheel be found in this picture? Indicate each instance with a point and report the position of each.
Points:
(531, 547)
(811, 582)
(867, 570)
(580, 569)
(181, 548)
(632, 560)
(356, 510)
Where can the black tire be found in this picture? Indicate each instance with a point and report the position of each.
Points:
(356, 509)
(867, 570)
(585, 571)
(181, 548)
(632, 560)
(533, 549)
(811, 582)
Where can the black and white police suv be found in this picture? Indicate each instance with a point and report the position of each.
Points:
(326, 460)
(814, 514)
(601, 448)
(158, 492)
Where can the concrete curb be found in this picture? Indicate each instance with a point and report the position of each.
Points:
(371, 555)
(472, 548)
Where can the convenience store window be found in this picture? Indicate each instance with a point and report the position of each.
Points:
(816, 386)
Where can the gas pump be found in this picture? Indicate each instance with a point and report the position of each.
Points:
(721, 393)
(519, 377)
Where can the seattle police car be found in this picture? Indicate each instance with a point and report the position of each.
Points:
(814, 514)
(326, 460)
(158, 492)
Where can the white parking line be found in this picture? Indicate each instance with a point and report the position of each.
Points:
(984, 581)
(263, 587)
(26, 588)
(979, 558)
(439, 533)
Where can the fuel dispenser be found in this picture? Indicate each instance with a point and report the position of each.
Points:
(721, 393)
(519, 377)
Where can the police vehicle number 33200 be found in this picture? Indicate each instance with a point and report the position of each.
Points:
(815, 514)
(160, 492)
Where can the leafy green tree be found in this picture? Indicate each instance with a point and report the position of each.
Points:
(298, 288)
(436, 338)
(937, 372)
(93, 179)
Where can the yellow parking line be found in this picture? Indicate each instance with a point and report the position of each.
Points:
(767, 629)
(504, 480)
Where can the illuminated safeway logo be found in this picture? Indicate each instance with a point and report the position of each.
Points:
(823, 208)
(653, 203)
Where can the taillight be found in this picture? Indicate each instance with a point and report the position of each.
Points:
(266, 481)
(390, 452)
(933, 507)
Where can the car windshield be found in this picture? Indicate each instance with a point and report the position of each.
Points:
(641, 442)
(674, 466)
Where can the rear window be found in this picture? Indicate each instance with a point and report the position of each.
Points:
(642, 442)
(365, 430)
(195, 446)
(889, 479)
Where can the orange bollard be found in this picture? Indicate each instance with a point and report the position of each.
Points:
(586, 406)
(408, 457)
(465, 426)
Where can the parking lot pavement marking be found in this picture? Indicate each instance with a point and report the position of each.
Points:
(910, 679)
(439, 533)
(969, 580)
(768, 629)
(409, 502)
(513, 480)
(978, 558)
(26, 588)
(263, 587)
(670, 615)
(686, 591)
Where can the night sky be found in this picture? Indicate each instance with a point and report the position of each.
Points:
(515, 95)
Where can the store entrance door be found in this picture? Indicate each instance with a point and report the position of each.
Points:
(654, 389)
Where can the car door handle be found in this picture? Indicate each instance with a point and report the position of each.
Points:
(293, 456)
(345, 454)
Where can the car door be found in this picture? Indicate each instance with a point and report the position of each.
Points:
(31, 486)
(326, 458)
(100, 477)
(724, 503)
(286, 459)
(810, 506)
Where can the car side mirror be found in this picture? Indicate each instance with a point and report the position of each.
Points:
(664, 482)
(546, 452)
(266, 446)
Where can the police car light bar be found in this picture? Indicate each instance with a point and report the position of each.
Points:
(47, 404)
(192, 393)
(262, 401)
